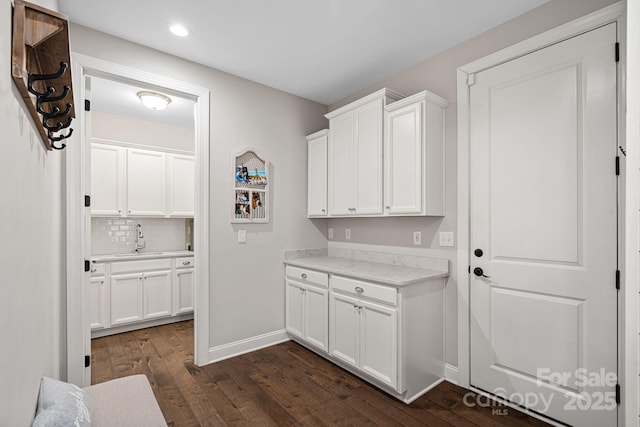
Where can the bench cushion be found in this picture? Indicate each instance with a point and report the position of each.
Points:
(125, 402)
(62, 404)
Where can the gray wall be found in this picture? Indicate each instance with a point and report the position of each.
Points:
(438, 74)
(247, 292)
(32, 293)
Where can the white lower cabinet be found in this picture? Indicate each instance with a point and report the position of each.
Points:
(156, 294)
(183, 286)
(307, 306)
(391, 336)
(364, 334)
(126, 298)
(96, 301)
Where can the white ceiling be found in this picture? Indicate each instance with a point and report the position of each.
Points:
(114, 97)
(323, 50)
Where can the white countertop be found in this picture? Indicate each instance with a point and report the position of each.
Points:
(396, 275)
(142, 255)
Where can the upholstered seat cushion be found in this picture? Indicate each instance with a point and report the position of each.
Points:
(125, 402)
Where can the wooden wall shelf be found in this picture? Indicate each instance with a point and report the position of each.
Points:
(40, 47)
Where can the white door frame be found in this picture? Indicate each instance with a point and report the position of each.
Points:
(76, 250)
(612, 13)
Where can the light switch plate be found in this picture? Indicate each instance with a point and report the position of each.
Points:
(446, 238)
(417, 238)
(330, 233)
(347, 233)
(242, 236)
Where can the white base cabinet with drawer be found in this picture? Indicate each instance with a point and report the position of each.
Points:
(96, 299)
(391, 336)
(183, 289)
(307, 311)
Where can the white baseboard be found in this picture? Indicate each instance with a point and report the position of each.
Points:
(451, 373)
(236, 348)
(97, 333)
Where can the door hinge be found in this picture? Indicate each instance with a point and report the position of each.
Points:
(87, 265)
(618, 394)
(618, 279)
(617, 165)
(87, 105)
(87, 201)
(617, 52)
(471, 79)
(469, 269)
(87, 361)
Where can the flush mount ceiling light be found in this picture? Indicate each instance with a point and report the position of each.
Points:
(178, 30)
(153, 100)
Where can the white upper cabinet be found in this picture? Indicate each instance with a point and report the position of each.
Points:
(317, 173)
(414, 156)
(146, 183)
(181, 185)
(107, 179)
(355, 156)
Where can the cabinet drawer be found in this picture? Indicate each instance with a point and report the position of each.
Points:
(310, 276)
(365, 290)
(185, 262)
(142, 265)
(97, 268)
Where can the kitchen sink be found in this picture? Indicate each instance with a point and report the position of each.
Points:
(137, 254)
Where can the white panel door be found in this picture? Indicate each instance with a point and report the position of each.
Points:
(96, 303)
(294, 308)
(181, 185)
(379, 342)
(341, 176)
(543, 212)
(368, 158)
(344, 328)
(157, 294)
(403, 160)
(146, 183)
(107, 180)
(317, 176)
(184, 291)
(316, 312)
(126, 298)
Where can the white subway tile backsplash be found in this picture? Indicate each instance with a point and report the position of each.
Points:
(117, 235)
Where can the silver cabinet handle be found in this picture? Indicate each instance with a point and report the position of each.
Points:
(387, 207)
(93, 270)
(303, 275)
(102, 282)
(359, 289)
(186, 262)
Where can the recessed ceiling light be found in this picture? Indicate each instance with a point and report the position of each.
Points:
(179, 30)
(154, 100)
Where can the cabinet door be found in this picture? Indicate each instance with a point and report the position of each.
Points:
(96, 303)
(126, 298)
(294, 306)
(344, 328)
(184, 291)
(316, 317)
(379, 342)
(181, 185)
(340, 169)
(146, 183)
(368, 159)
(317, 176)
(107, 180)
(157, 294)
(403, 160)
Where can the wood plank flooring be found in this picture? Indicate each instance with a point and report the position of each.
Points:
(282, 385)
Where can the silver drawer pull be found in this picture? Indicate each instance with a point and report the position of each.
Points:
(93, 270)
(186, 262)
(303, 275)
(359, 289)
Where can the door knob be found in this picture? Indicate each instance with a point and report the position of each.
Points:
(479, 272)
(478, 253)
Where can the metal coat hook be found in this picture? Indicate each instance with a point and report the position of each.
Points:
(38, 77)
(58, 126)
(55, 113)
(55, 139)
(40, 99)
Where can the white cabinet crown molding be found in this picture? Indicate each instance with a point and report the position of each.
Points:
(382, 93)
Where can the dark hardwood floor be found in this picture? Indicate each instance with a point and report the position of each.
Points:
(285, 384)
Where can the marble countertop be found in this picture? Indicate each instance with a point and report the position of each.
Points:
(142, 255)
(396, 275)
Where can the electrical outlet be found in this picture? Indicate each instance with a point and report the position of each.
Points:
(242, 236)
(330, 233)
(417, 238)
(347, 233)
(446, 238)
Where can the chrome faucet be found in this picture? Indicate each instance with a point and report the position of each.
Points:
(139, 236)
